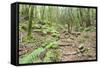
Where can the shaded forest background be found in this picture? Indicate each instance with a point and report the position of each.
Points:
(55, 34)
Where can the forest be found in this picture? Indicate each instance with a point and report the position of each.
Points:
(56, 33)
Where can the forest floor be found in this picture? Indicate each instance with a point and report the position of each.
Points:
(75, 46)
(78, 47)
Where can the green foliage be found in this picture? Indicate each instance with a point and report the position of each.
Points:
(28, 39)
(48, 28)
(48, 57)
(52, 45)
(52, 55)
(34, 41)
(86, 36)
(90, 29)
(22, 27)
(30, 20)
(87, 29)
(44, 26)
(31, 58)
(81, 29)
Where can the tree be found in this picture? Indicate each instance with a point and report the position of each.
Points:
(88, 22)
(31, 9)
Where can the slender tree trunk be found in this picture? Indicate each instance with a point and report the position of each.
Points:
(30, 20)
(88, 23)
(43, 14)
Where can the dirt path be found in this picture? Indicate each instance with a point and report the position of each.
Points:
(80, 47)
(74, 47)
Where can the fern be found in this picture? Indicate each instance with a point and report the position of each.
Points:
(53, 55)
(31, 57)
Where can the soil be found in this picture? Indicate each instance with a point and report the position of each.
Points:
(70, 46)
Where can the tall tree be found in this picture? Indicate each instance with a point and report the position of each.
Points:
(88, 22)
(31, 9)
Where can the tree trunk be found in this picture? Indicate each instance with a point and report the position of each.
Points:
(30, 20)
(88, 23)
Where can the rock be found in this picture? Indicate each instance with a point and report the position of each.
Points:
(70, 53)
(76, 33)
(67, 36)
(69, 40)
(65, 44)
(22, 52)
(72, 38)
(62, 36)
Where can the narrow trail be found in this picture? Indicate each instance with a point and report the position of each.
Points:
(70, 46)
(75, 46)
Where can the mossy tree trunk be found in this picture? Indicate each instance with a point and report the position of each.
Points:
(88, 22)
(31, 9)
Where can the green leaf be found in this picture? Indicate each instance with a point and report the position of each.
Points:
(52, 45)
(30, 58)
